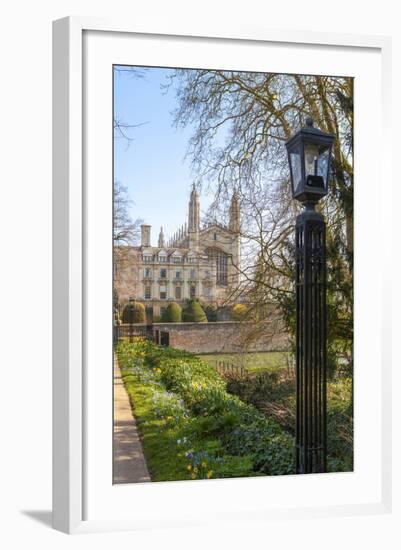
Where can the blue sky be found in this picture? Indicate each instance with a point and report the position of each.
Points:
(152, 166)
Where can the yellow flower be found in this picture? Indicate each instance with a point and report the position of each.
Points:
(189, 467)
(195, 470)
(203, 464)
(209, 474)
(193, 476)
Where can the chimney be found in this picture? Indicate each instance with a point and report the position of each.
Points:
(145, 235)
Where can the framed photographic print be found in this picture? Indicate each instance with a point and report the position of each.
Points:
(213, 284)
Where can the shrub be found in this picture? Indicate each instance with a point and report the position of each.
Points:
(134, 313)
(172, 314)
(211, 313)
(238, 312)
(193, 313)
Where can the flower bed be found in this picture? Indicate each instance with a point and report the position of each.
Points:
(190, 426)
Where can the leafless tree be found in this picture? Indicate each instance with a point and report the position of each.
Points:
(125, 230)
(241, 121)
(122, 129)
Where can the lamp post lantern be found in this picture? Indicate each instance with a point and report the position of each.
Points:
(309, 154)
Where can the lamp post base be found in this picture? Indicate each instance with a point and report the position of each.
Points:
(311, 437)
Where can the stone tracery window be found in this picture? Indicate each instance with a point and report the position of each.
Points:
(221, 259)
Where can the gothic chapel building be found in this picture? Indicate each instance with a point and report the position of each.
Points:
(196, 262)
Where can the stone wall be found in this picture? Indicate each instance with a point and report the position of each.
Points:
(226, 336)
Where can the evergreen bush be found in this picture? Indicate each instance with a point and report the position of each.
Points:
(173, 314)
(193, 313)
(134, 313)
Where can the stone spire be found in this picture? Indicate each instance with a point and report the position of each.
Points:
(235, 214)
(193, 211)
(194, 218)
(235, 228)
(161, 243)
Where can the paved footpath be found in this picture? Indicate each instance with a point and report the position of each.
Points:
(129, 461)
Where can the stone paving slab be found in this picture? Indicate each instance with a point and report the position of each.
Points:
(129, 464)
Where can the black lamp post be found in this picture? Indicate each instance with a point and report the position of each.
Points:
(309, 154)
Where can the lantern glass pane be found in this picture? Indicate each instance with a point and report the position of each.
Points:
(323, 164)
(296, 170)
(311, 159)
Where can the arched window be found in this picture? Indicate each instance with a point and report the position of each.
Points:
(221, 259)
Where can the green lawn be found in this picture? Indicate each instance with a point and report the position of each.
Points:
(258, 361)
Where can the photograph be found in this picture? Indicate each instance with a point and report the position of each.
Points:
(204, 225)
(232, 303)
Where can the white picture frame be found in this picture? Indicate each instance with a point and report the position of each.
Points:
(70, 258)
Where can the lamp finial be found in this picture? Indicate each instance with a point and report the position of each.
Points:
(309, 121)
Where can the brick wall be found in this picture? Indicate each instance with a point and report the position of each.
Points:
(226, 336)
